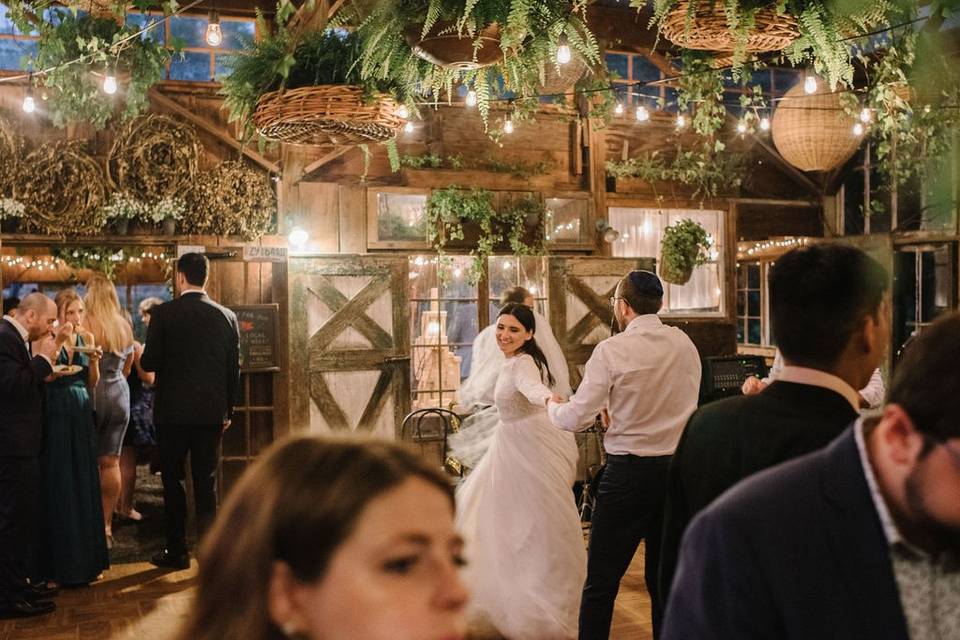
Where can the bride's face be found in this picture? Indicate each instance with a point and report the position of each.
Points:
(511, 334)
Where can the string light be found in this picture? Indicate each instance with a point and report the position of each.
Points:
(741, 127)
(109, 84)
(642, 114)
(214, 35)
(298, 238)
(866, 115)
(471, 99)
(858, 129)
(403, 112)
(563, 50)
(29, 106)
(408, 128)
(618, 110)
(765, 123)
(769, 245)
(810, 84)
(681, 121)
(508, 126)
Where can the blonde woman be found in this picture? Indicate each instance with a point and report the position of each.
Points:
(73, 549)
(111, 401)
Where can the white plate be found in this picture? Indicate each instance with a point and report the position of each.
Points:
(84, 349)
(67, 369)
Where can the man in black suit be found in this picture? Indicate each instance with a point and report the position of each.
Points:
(193, 346)
(23, 368)
(860, 540)
(827, 305)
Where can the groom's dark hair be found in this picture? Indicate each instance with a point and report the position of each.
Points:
(194, 267)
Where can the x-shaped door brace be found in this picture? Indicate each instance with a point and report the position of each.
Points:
(351, 312)
(598, 307)
(334, 415)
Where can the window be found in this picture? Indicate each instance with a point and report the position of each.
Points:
(640, 231)
(529, 272)
(750, 298)
(567, 223)
(633, 68)
(396, 218)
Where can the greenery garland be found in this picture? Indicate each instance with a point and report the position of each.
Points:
(520, 169)
(705, 168)
(105, 259)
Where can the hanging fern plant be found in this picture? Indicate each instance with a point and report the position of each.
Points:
(524, 35)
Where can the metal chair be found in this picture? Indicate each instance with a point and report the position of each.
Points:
(412, 429)
(588, 493)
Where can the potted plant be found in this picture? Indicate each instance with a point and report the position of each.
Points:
(104, 47)
(684, 246)
(121, 209)
(166, 212)
(305, 88)
(11, 211)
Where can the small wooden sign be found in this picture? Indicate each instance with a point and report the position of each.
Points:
(257, 253)
(258, 336)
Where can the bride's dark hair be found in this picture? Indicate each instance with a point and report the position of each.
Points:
(524, 314)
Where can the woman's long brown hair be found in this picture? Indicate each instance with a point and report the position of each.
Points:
(297, 504)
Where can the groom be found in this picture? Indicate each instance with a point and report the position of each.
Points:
(648, 378)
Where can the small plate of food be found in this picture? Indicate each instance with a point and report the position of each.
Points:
(67, 369)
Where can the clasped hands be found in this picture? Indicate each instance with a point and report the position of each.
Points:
(557, 398)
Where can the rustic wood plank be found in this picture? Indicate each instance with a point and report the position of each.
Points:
(350, 312)
(327, 404)
(353, 219)
(599, 310)
(322, 160)
(320, 215)
(371, 414)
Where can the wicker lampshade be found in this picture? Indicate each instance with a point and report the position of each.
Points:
(813, 132)
(709, 30)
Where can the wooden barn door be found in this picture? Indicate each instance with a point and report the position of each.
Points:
(349, 344)
(580, 310)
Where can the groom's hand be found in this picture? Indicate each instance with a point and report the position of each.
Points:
(557, 398)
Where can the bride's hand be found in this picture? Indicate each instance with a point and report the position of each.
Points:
(557, 398)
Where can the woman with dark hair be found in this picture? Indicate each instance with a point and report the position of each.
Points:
(332, 540)
(516, 510)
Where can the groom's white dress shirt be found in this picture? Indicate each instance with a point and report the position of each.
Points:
(648, 378)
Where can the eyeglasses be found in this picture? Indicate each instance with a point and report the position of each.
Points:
(613, 300)
(945, 443)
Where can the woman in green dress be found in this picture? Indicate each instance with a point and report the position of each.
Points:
(74, 547)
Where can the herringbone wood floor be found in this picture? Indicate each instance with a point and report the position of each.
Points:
(139, 602)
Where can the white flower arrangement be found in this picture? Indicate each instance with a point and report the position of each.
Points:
(123, 206)
(169, 207)
(10, 208)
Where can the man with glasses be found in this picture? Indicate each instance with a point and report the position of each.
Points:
(858, 540)
(647, 378)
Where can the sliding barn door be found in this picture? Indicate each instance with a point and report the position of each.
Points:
(350, 344)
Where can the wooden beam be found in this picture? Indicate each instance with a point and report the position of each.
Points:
(319, 162)
(791, 170)
(213, 129)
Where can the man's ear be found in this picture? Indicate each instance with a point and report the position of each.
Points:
(900, 437)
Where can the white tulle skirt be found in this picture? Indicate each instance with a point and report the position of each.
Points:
(527, 560)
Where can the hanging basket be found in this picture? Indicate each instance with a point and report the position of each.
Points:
(677, 274)
(709, 30)
(813, 132)
(326, 115)
(445, 47)
(558, 81)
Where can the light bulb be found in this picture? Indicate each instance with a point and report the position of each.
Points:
(765, 123)
(618, 109)
(471, 99)
(642, 114)
(29, 106)
(866, 115)
(858, 129)
(741, 127)
(109, 84)
(408, 127)
(810, 84)
(298, 238)
(563, 50)
(214, 35)
(508, 126)
(681, 121)
(403, 112)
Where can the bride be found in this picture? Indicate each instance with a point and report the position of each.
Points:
(516, 510)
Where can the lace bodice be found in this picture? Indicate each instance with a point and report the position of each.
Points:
(520, 391)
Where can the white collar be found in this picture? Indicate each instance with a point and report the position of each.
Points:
(646, 322)
(24, 334)
(818, 378)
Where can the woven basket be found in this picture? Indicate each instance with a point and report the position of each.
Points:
(813, 132)
(709, 30)
(445, 47)
(557, 81)
(326, 115)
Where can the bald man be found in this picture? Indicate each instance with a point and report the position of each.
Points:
(27, 350)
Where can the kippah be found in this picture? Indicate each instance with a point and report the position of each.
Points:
(646, 283)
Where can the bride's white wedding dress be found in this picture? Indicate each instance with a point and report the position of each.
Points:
(527, 560)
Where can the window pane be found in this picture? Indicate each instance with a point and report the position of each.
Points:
(740, 331)
(753, 303)
(191, 30)
(753, 331)
(237, 33)
(639, 232)
(195, 67)
(564, 217)
(670, 99)
(701, 294)
(139, 20)
(529, 272)
(220, 68)
(12, 53)
(400, 216)
(753, 276)
(741, 303)
(617, 63)
(644, 70)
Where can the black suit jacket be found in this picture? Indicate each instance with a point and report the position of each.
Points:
(728, 440)
(797, 551)
(193, 344)
(21, 396)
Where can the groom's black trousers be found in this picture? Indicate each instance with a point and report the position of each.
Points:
(629, 508)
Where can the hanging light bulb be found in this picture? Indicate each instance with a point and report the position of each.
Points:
(298, 238)
(642, 114)
(471, 99)
(403, 112)
(741, 127)
(765, 123)
(508, 126)
(408, 127)
(214, 35)
(681, 121)
(109, 83)
(810, 84)
(563, 50)
(29, 105)
(858, 129)
(866, 115)
(618, 109)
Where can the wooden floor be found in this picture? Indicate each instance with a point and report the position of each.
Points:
(140, 602)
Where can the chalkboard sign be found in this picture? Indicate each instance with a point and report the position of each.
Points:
(258, 336)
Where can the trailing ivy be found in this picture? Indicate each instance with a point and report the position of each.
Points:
(706, 169)
(520, 169)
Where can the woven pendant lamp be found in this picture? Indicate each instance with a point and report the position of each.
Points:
(813, 132)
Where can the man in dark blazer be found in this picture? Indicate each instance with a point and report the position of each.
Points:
(830, 322)
(193, 346)
(860, 540)
(23, 368)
